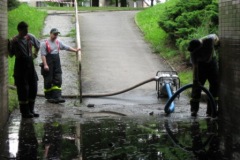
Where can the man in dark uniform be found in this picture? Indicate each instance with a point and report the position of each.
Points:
(51, 66)
(205, 67)
(24, 72)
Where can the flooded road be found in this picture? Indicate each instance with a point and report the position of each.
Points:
(105, 137)
(131, 126)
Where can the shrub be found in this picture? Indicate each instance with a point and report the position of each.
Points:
(188, 17)
(12, 4)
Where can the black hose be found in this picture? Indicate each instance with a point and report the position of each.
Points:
(177, 143)
(212, 102)
(119, 92)
(104, 94)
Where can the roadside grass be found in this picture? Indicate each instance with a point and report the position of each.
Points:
(147, 21)
(35, 20)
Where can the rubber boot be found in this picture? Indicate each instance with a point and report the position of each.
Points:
(209, 108)
(59, 97)
(194, 108)
(24, 109)
(56, 97)
(31, 108)
(48, 95)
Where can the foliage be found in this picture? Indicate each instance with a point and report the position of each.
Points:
(147, 21)
(189, 19)
(12, 4)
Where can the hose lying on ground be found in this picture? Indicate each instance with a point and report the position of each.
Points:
(101, 95)
(120, 92)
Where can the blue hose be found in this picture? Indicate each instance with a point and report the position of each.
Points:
(167, 108)
(169, 91)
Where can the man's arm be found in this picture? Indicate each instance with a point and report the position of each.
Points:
(36, 44)
(74, 49)
(11, 47)
(45, 65)
(68, 48)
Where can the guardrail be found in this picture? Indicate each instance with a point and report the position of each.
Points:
(79, 53)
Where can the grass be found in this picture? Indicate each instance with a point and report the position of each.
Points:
(147, 21)
(35, 20)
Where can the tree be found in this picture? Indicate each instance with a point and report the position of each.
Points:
(12, 4)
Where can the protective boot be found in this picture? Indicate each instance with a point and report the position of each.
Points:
(56, 97)
(194, 107)
(31, 108)
(209, 108)
(59, 97)
(48, 94)
(24, 109)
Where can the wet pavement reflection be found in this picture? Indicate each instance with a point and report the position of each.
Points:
(119, 138)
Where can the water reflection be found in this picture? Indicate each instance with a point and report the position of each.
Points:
(125, 138)
(28, 145)
(52, 139)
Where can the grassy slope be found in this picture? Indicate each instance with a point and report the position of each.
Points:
(35, 20)
(147, 21)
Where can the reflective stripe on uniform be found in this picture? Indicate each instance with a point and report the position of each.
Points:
(53, 88)
(49, 47)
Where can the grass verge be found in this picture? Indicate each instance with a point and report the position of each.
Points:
(147, 21)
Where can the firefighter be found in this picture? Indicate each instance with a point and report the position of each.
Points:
(205, 67)
(25, 75)
(51, 66)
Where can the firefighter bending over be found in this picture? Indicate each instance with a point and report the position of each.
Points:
(205, 67)
(51, 66)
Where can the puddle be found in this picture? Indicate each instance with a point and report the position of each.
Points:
(116, 138)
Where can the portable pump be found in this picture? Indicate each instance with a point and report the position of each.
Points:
(167, 84)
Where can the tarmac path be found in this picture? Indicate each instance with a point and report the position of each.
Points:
(115, 57)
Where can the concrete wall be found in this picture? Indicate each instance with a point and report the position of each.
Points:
(229, 33)
(229, 106)
(3, 63)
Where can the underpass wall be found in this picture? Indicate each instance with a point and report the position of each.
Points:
(3, 63)
(229, 32)
(229, 102)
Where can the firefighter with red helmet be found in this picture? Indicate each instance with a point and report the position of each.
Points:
(51, 66)
(25, 76)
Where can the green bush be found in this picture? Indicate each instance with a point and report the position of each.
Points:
(12, 4)
(189, 19)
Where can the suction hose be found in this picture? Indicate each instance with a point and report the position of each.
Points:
(169, 91)
(120, 92)
(212, 102)
(102, 95)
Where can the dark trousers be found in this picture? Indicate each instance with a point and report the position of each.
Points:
(25, 80)
(207, 71)
(53, 77)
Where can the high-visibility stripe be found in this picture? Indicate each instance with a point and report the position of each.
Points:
(49, 47)
(53, 88)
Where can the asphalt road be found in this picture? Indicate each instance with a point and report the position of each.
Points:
(115, 56)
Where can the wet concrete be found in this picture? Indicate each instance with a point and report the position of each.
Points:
(127, 126)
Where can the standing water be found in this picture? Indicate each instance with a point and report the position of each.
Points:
(116, 138)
